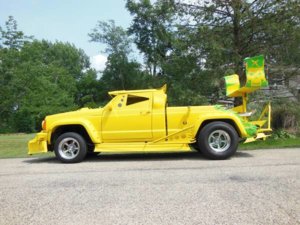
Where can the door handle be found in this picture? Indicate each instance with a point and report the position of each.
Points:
(144, 112)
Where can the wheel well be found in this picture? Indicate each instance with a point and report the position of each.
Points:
(231, 122)
(79, 129)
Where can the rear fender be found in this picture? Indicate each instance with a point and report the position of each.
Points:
(235, 122)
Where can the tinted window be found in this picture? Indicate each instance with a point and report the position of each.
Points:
(131, 99)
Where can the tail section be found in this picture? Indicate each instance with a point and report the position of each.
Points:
(255, 79)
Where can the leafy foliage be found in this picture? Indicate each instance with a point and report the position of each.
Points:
(152, 30)
(115, 37)
(282, 134)
(37, 78)
(11, 37)
(121, 72)
(233, 30)
(189, 45)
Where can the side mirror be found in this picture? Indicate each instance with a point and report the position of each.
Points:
(109, 108)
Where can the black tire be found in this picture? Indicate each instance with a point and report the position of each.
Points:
(90, 153)
(218, 140)
(195, 147)
(70, 148)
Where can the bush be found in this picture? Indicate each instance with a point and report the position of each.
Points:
(286, 116)
(282, 134)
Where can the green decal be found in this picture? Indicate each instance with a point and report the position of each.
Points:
(248, 84)
(255, 62)
(264, 83)
(251, 129)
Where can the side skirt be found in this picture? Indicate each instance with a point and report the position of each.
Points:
(142, 147)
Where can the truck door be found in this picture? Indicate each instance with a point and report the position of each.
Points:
(129, 119)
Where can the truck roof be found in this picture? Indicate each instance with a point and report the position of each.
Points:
(114, 93)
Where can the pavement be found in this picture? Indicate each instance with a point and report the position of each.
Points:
(253, 187)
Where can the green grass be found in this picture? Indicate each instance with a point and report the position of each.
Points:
(272, 143)
(15, 145)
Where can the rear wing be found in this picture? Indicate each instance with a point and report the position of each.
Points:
(255, 79)
(255, 75)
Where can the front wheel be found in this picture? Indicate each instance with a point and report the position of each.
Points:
(218, 140)
(70, 148)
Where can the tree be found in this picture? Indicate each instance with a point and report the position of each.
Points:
(59, 54)
(11, 37)
(11, 40)
(121, 72)
(89, 90)
(230, 30)
(165, 45)
(115, 37)
(7, 59)
(152, 30)
(195, 43)
(37, 80)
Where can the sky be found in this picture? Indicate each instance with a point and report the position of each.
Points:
(66, 20)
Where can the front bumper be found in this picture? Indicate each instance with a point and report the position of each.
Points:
(38, 144)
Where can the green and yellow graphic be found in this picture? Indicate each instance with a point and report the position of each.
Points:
(255, 76)
(255, 79)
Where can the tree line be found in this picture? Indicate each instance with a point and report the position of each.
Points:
(190, 45)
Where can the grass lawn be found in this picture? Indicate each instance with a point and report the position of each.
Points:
(15, 145)
(272, 143)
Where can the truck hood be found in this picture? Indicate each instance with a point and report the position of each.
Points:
(83, 112)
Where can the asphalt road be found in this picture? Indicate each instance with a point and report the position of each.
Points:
(254, 187)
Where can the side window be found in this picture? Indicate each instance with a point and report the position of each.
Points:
(131, 99)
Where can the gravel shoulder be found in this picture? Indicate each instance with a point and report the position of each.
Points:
(253, 187)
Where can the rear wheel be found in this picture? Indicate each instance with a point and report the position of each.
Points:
(218, 140)
(70, 148)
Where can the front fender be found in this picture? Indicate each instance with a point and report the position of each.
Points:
(86, 124)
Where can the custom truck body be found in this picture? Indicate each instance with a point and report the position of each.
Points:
(141, 121)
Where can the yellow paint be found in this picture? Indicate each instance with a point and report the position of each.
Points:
(136, 121)
(38, 144)
(259, 136)
(232, 84)
(140, 121)
(256, 79)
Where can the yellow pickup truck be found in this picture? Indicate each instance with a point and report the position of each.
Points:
(141, 121)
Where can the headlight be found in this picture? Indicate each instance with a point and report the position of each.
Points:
(44, 125)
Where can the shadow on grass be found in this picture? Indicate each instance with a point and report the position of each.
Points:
(137, 157)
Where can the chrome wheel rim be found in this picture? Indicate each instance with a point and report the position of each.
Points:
(68, 148)
(219, 140)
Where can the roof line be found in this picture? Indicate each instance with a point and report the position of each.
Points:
(114, 93)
